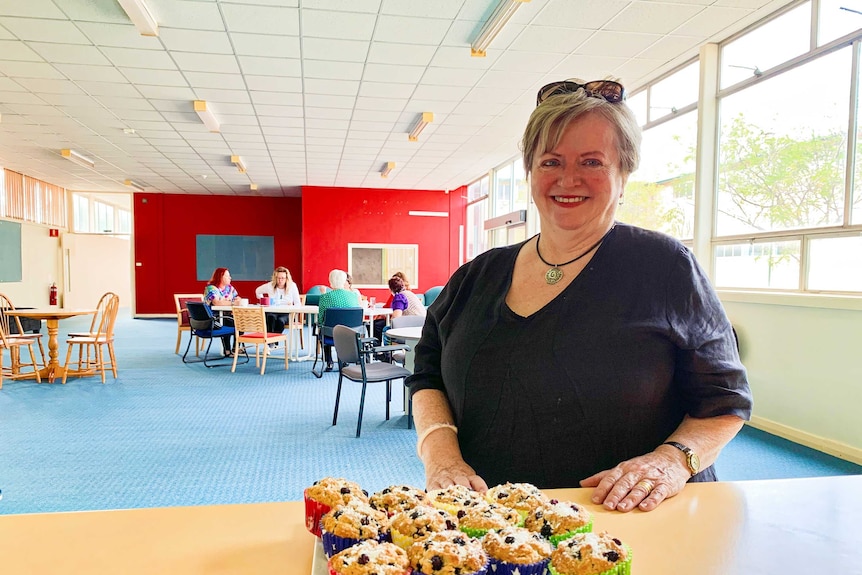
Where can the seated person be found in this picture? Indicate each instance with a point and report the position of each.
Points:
(404, 302)
(282, 291)
(220, 292)
(338, 296)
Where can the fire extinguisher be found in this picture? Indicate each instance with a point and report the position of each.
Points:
(53, 298)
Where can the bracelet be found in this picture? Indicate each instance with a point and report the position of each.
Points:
(428, 431)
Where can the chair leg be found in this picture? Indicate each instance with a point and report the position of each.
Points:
(388, 397)
(113, 358)
(337, 399)
(361, 407)
(100, 359)
(235, 355)
(189, 346)
(179, 340)
(265, 347)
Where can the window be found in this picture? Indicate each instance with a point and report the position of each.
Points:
(94, 213)
(835, 263)
(503, 190)
(81, 211)
(765, 264)
(477, 211)
(838, 18)
(675, 92)
(104, 216)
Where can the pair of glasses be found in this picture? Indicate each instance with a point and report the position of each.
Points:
(608, 90)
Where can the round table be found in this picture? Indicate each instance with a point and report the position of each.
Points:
(53, 370)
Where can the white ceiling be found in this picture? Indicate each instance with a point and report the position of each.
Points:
(311, 92)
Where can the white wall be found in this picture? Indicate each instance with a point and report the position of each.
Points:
(97, 264)
(40, 265)
(803, 360)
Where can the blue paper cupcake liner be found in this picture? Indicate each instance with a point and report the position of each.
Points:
(333, 544)
(483, 571)
(505, 568)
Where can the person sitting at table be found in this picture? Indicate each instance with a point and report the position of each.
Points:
(594, 352)
(363, 301)
(220, 292)
(404, 302)
(281, 290)
(338, 296)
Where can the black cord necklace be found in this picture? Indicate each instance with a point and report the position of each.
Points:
(555, 274)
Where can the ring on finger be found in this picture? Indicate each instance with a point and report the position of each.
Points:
(646, 484)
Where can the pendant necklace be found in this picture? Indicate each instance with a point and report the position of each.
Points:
(555, 274)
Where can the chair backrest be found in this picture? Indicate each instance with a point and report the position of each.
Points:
(347, 344)
(200, 315)
(249, 319)
(312, 299)
(317, 290)
(7, 322)
(180, 300)
(103, 323)
(407, 321)
(431, 294)
(349, 316)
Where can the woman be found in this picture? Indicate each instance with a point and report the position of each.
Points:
(578, 354)
(220, 292)
(338, 296)
(404, 302)
(282, 291)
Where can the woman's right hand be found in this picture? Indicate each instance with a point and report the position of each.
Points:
(455, 471)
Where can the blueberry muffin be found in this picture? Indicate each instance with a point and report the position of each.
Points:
(397, 498)
(347, 525)
(523, 497)
(517, 550)
(325, 494)
(448, 553)
(407, 527)
(591, 554)
(476, 521)
(370, 557)
(558, 520)
(454, 498)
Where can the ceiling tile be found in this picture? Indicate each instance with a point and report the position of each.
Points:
(332, 70)
(407, 54)
(338, 25)
(617, 43)
(92, 73)
(196, 41)
(274, 84)
(446, 76)
(70, 54)
(447, 9)
(32, 9)
(261, 19)
(277, 98)
(329, 101)
(710, 21)
(269, 46)
(15, 50)
(391, 73)
(190, 15)
(154, 77)
(29, 69)
(332, 49)
(201, 62)
(211, 80)
(256, 65)
(406, 30)
(371, 6)
(134, 58)
(652, 17)
(550, 39)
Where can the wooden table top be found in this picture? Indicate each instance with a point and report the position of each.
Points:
(50, 313)
(804, 526)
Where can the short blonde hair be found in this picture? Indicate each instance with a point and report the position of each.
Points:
(337, 279)
(551, 118)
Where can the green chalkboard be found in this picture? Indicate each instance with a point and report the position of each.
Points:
(10, 251)
(247, 257)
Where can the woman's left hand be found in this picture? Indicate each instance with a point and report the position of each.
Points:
(642, 482)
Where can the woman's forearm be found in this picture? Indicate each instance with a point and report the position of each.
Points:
(430, 407)
(705, 436)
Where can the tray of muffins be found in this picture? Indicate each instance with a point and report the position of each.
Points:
(512, 529)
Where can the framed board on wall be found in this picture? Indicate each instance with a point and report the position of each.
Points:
(371, 265)
(247, 257)
(10, 252)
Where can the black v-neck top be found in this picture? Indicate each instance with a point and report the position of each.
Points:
(604, 372)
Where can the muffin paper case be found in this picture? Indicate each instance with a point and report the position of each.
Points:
(403, 541)
(334, 572)
(556, 539)
(474, 533)
(332, 544)
(504, 568)
(314, 511)
(482, 571)
(624, 568)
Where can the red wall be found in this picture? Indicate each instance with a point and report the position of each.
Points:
(311, 235)
(334, 217)
(165, 246)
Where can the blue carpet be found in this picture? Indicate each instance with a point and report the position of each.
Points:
(166, 433)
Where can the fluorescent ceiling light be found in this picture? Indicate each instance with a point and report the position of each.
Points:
(141, 17)
(206, 116)
(136, 185)
(237, 161)
(384, 173)
(78, 158)
(429, 214)
(424, 120)
(505, 10)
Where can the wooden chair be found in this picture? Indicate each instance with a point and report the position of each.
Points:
(183, 324)
(95, 341)
(14, 346)
(250, 325)
(13, 328)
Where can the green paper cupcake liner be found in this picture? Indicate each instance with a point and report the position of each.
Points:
(624, 568)
(556, 539)
(474, 533)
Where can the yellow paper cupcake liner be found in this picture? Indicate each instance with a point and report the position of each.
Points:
(403, 541)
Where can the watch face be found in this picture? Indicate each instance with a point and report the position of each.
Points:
(693, 462)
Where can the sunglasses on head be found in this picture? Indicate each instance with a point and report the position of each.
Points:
(608, 90)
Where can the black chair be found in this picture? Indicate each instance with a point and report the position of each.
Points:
(349, 316)
(206, 326)
(352, 364)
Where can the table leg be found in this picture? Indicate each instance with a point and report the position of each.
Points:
(53, 370)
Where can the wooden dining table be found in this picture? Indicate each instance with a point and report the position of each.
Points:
(52, 316)
(784, 526)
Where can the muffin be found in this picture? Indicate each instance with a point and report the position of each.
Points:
(520, 496)
(558, 520)
(370, 557)
(347, 525)
(325, 494)
(397, 498)
(448, 552)
(591, 554)
(407, 527)
(517, 550)
(454, 498)
(476, 521)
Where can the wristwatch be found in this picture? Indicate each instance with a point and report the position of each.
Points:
(691, 458)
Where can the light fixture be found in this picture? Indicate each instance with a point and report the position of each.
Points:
(504, 11)
(141, 17)
(252, 187)
(237, 161)
(384, 173)
(136, 185)
(129, 130)
(206, 116)
(424, 120)
(78, 158)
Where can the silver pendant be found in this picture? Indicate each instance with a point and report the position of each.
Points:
(553, 275)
